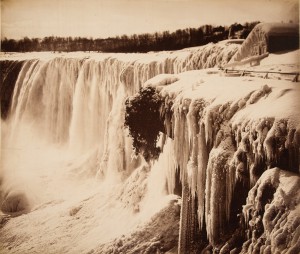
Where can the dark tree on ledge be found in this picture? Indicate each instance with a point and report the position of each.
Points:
(142, 118)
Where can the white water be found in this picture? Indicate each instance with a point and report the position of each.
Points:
(66, 107)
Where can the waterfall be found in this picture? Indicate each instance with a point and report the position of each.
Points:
(77, 102)
(63, 123)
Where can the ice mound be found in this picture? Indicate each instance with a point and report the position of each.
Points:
(272, 213)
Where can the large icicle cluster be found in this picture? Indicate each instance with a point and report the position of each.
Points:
(222, 150)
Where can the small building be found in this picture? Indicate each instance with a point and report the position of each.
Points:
(269, 38)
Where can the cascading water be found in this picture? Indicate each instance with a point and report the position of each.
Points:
(77, 102)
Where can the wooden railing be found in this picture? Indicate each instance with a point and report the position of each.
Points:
(241, 72)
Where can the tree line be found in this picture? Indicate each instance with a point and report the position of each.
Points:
(158, 41)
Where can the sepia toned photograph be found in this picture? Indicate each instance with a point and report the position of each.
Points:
(150, 127)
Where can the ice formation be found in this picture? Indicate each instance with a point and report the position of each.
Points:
(223, 137)
(272, 213)
(223, 142)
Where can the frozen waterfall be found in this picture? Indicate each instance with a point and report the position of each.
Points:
(64, 145)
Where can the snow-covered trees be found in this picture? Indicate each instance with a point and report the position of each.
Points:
(164, 40)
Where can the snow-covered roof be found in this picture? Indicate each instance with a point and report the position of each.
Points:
(269, 37)
(279, 28)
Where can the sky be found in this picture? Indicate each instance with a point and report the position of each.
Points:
(104, 18)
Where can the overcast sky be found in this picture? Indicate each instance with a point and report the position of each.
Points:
(103, 18)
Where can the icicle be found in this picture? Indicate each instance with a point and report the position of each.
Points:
(193, 128)
(220, 182)
(167, 164)
(201, 176)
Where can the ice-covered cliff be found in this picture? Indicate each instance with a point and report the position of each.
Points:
(71, 183)
(225, 134)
